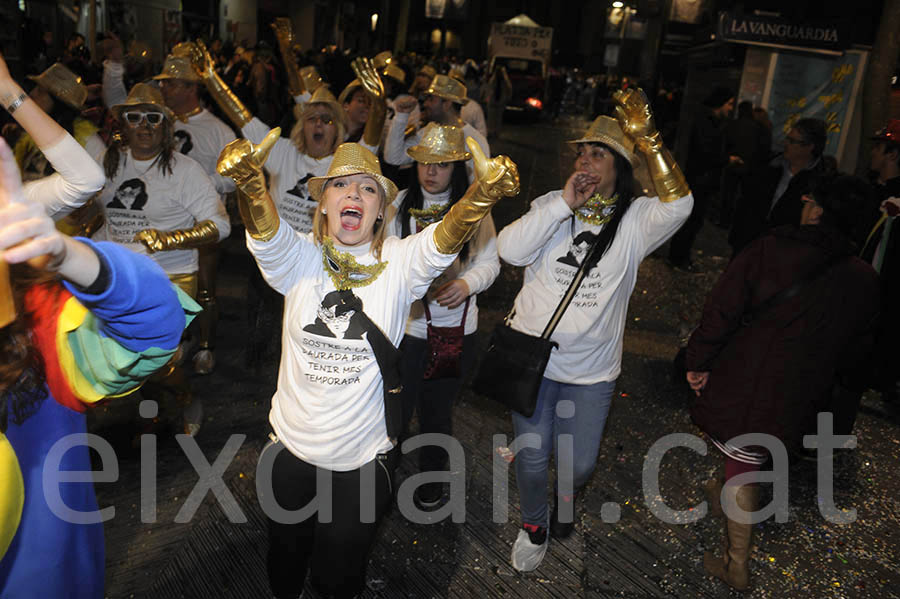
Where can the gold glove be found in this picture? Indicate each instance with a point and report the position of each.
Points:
(311, 79)
(494, 179)
(243, 162)
(636, 119)
(203, 233)
(371, 82)
(285, 34)
(233, 108)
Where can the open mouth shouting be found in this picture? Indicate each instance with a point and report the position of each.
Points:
(351, 218)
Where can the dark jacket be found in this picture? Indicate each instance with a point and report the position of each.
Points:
(706, 156)
(771, 376)
(885, 370)
(753, 216)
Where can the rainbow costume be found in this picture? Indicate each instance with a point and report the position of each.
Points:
(93, 347)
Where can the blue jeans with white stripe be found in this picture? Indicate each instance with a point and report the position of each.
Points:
(569, 420)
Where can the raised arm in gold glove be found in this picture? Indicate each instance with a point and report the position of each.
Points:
(636, 120)
(494, 178)
(203, 233)
(371, 82)
(285, 35)
(243, 162)
(233, 108)
(311, 79)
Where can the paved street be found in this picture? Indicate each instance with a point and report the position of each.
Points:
(200, 547)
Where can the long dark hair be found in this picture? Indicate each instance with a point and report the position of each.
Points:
(22, 372)
(624, 189)
(459, 183)
(163, 160)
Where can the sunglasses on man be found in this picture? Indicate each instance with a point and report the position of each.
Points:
(136, 117)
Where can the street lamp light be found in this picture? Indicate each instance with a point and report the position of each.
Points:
(374, 20)
(618, 4)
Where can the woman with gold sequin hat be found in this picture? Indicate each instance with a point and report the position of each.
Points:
(437, 182)
(348, 290)
(600, 216)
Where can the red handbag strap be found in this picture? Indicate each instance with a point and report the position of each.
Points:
(428, 312)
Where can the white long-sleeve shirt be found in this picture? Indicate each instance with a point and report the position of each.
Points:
(328, 408)
(289, 172)
(550, 243)
(76, 179)
(396, 144)
(481, 267)
(141, 197)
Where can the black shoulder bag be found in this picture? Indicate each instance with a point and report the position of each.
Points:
(513, 364)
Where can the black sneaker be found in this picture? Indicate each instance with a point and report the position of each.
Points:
(429, 496)
(560, 530)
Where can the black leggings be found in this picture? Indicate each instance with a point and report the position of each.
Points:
(334, 553)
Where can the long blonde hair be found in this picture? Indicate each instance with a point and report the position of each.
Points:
(320, 223)
(299, 140)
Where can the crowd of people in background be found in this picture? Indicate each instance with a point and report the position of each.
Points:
(365, 184)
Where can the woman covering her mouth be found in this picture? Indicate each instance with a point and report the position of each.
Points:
(348, 292)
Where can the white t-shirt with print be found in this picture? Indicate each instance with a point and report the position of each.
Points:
(550, 243)
(478, 271)
(328, 408)
(140, 197)
(202, 138)
(289, 174)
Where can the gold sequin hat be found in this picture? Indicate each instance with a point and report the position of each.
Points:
(140, 95)
(427, 69)
(457, 74)
(440, 143)
(63, 84)
(606, 130)
(382, 59)
(353, 159)
(178, 67)
(345, 93)
(323, 96)
(444, 87)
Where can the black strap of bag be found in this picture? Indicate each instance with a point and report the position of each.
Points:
(513, 365)
(595, 253)
(793, 291)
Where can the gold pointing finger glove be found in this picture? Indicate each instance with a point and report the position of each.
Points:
(636, 119)
(243, 162)
(495, 178)
(203, 233)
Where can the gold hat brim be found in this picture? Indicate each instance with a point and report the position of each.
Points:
(606, 130)
(440, 143)
(395, 72)
(178, 67)
(423, 155)
(143, 94)
(353, 159)
(442, 86)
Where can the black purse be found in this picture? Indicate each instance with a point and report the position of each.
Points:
(513, 364)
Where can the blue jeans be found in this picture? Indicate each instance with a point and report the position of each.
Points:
(570, 420)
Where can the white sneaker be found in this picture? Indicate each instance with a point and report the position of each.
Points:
(527, 556)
